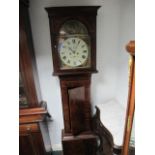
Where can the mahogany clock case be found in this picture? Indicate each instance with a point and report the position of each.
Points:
(75, 91)
(77, 137)
(84, 14)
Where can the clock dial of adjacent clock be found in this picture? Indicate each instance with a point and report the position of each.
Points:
(74, 52)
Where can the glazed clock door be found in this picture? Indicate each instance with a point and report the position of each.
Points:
(73, 39)
(73, 46)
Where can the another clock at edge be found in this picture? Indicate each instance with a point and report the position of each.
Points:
(73, 39)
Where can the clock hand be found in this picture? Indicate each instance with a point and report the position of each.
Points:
(77, 44)
(76, 48)
(71, 50)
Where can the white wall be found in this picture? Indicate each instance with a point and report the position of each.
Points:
(127, 32)
(111, 60)
(104, 83)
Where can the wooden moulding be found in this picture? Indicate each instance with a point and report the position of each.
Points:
(83, 144)
(67, 10)
(32, 111)
(31, 115)
(33, 127)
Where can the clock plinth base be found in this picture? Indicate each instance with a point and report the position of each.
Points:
(82, 144)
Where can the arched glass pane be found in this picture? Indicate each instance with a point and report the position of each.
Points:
(74, 45)
(73, 27)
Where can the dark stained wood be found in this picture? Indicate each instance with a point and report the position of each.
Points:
(32, 111)
(30, 125)
(84, 110)
(27, 59)
(33, 127)
(31, 119)
(25, 145)
(33, 131)
(83, 144)
(117, 149)
(31, 115)
(76, 10)
(105, 138)
(29, 142)
(25, 2)
(131, 150)
(77, 102)
(77, 138)
(84, 14)
(131, 99)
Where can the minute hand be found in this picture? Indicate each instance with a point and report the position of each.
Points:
(71, 49)
(76, 47)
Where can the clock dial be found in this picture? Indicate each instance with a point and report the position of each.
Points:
(74, 52)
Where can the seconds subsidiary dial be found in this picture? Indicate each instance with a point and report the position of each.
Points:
(74, 52)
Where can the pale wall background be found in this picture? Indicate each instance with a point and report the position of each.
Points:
(115, 27)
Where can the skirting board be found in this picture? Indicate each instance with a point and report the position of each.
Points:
(57, 147)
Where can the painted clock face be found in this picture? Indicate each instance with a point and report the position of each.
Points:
(74, 52)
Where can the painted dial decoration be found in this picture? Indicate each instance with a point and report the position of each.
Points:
(74, 52)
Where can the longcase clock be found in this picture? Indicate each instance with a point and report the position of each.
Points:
(73, 42)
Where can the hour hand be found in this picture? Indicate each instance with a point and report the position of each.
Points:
(71, 50)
